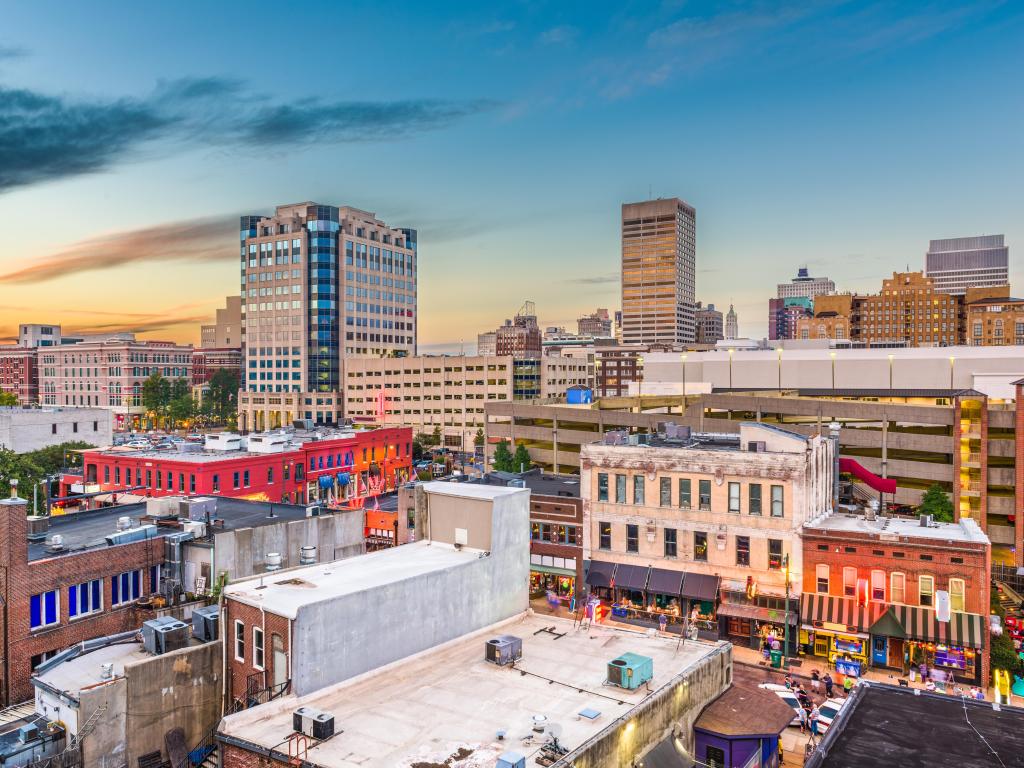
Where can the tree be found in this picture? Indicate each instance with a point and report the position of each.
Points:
(221, 401)
(417, 447)
(936, 503)
(1003, 655)
(8, 399)
(181, 409)
(502, 457)
(478, 440)
(435, 437)
(521, 460)
(156, 392)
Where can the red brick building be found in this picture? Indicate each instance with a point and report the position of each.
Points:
(54, 599)
(206, 361)
(874, 592)
(18, 373)
(286, 467)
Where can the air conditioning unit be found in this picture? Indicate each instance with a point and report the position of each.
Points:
(313, 510)
(38, 525)
(164, 634)
(206, 623)
(504, 649)
(27, 733)
(511, 760)
(312, 722)
(630, 671)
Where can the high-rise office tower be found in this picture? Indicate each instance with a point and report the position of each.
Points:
(967, 262)
(319, 283)
(805, 285)
(659, 263)
(732, 324)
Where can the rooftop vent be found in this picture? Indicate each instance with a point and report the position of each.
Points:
(756, 446)
(307, 555)
(107, 671)
(503, 649)
(273, 562)
(28, 732)
(312, 722)
(55, 543)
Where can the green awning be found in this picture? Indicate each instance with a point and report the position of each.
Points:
(552, 570)
(889, 626)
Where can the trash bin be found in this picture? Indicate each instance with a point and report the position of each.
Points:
(776, 659)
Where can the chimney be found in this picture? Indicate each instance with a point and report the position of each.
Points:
(13, 528)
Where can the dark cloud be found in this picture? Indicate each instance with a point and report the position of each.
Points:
(44, 137)
(611, 277)
(198, 240)
(152, 325)
(10, 52)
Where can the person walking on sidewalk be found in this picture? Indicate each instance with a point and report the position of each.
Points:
(847, 685)
(815, 678)
(827, 679)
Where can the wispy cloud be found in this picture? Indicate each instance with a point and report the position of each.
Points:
(45, 137)
(559, 35)
(198, 240)
(606, 279)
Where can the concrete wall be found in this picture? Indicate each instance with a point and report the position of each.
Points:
(338, 639)
(24, 430)
(106, 746)
(674, 707)
(447, 513)
(178, 689)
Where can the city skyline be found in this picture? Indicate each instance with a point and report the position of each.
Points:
(774, 122)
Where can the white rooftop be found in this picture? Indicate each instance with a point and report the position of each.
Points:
(470, 490)
(426, 708)
(966, 530)
(84, 671)
(284, 592)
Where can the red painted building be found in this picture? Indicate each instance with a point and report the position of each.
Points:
(342, 469)
(18, 373)
(876, 592)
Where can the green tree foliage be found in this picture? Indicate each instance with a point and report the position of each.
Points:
(222, 400)
(156, 395)
(181, 409)
(478, 439)
(521, 460)
(1003, 655)
(30, 469)
(417, 447)
(502, 457)
(8, 399)
(936, 502)
(435, 437)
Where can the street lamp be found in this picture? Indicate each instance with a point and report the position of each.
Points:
(778, 355)
(730, 367)
(890, 372)
(952, 362)
(833, 356)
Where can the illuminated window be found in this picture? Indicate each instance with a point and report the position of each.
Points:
(849, 581)
(897, 588)
(956, 595)
(926, 590)
(878, 586)
(821, 578)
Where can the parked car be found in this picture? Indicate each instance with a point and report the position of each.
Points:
(828, 711)
(137, 444)
(787, 696)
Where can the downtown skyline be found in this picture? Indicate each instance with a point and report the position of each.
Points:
(820, 135)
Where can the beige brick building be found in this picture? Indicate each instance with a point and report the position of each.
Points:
(226, 330)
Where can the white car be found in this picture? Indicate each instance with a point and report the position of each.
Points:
(137, 444)
(787, 696)
(828, 711)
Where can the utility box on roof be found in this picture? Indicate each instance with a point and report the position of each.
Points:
(630, 670)
(503, 649)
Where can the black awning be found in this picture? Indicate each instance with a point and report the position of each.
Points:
(600, 574)
(698, 586)
(631, 577)
(665, 582)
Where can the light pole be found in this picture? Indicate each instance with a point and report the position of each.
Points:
(778, 355)
(730, 368)
(890, 372)
(833, 356)
(952, 362)
(785, 628)
(683, 411)
(639, 372)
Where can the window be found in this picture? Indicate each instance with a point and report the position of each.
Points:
(670, 542)
(926, 590)
(774, 554)
(897, 588)
(257, 648)
(665, 492)
(191, 483)
(44, 609)
(605, 535)
(704, 491)
(638, 489)
(239, 641)
(270, 475)
(620, 489)
(742, 550)
(849, 581)
(956, 595)
(245, 478)
(684, 493)
(777, 507)
(125, 587)
(821, 578)
(234, 479)
(84, 599)
(734, 498)
(878, 586)
(216, 483)
(602, 487)
(632, 538)
(106, 474)
(700, 546)
(154, 579)
(754, 499)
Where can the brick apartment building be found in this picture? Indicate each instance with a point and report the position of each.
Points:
(54, 599)
(206, 361)
(18, 374)
(871, 589)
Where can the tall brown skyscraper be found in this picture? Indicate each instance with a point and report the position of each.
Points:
(659, 261)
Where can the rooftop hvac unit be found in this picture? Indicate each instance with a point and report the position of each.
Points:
(199, 508)
(511, 760)
(313, 722)
(206, 623)
(162, 508)
(28, 732)
(630, 670)
(38, 525)
(164, 634)
(504, 649)
(55, 543)
(196, 528)
(141, 533)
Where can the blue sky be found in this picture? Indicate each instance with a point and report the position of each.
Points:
(839, 135)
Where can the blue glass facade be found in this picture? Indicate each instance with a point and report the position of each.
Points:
(322, 243)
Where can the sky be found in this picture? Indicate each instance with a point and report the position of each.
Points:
(837, 135)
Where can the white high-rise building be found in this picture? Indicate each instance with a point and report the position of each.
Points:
(960, 263)
(803, 285)
(732, 324)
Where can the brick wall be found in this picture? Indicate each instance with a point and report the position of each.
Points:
(561, 510)
(236, 757)
(241, 672)
(1018, 465)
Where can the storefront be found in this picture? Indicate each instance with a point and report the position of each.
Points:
(629, 588)
(752, 623)
(953, 648)
(554, 575)
(836, 629)
(599, 579)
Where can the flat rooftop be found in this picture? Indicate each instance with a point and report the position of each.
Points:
(285, 592)
(543, 484)
(967, 530)
(83, 671)
(890, 726)
(428, 707)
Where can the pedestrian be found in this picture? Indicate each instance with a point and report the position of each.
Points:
(782, 756)
(802, 714)
(847, 685)
(789, 681)
(815, 678)
(827, 679)
(813, 718)
(663, 622)
(803, 698)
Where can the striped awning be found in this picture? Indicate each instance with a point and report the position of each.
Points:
(963, 630)
(830, 612)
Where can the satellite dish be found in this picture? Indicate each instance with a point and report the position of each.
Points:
(555, 730)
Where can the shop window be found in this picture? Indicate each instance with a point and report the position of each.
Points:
(742, 550)
(602, 486)
(774, 554)
(734, 498)
(878, 586)
(665, 491)
(778, 510)
(821, 578)
(849, 581)
(897, 588)
(620, 489)
(638, 489)
(632, 538)
(605, 535)
(700, 546)
(704, 490)
(670, 542)
(956, 595)
(926, 590)
(684, 493)
(754, 499)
